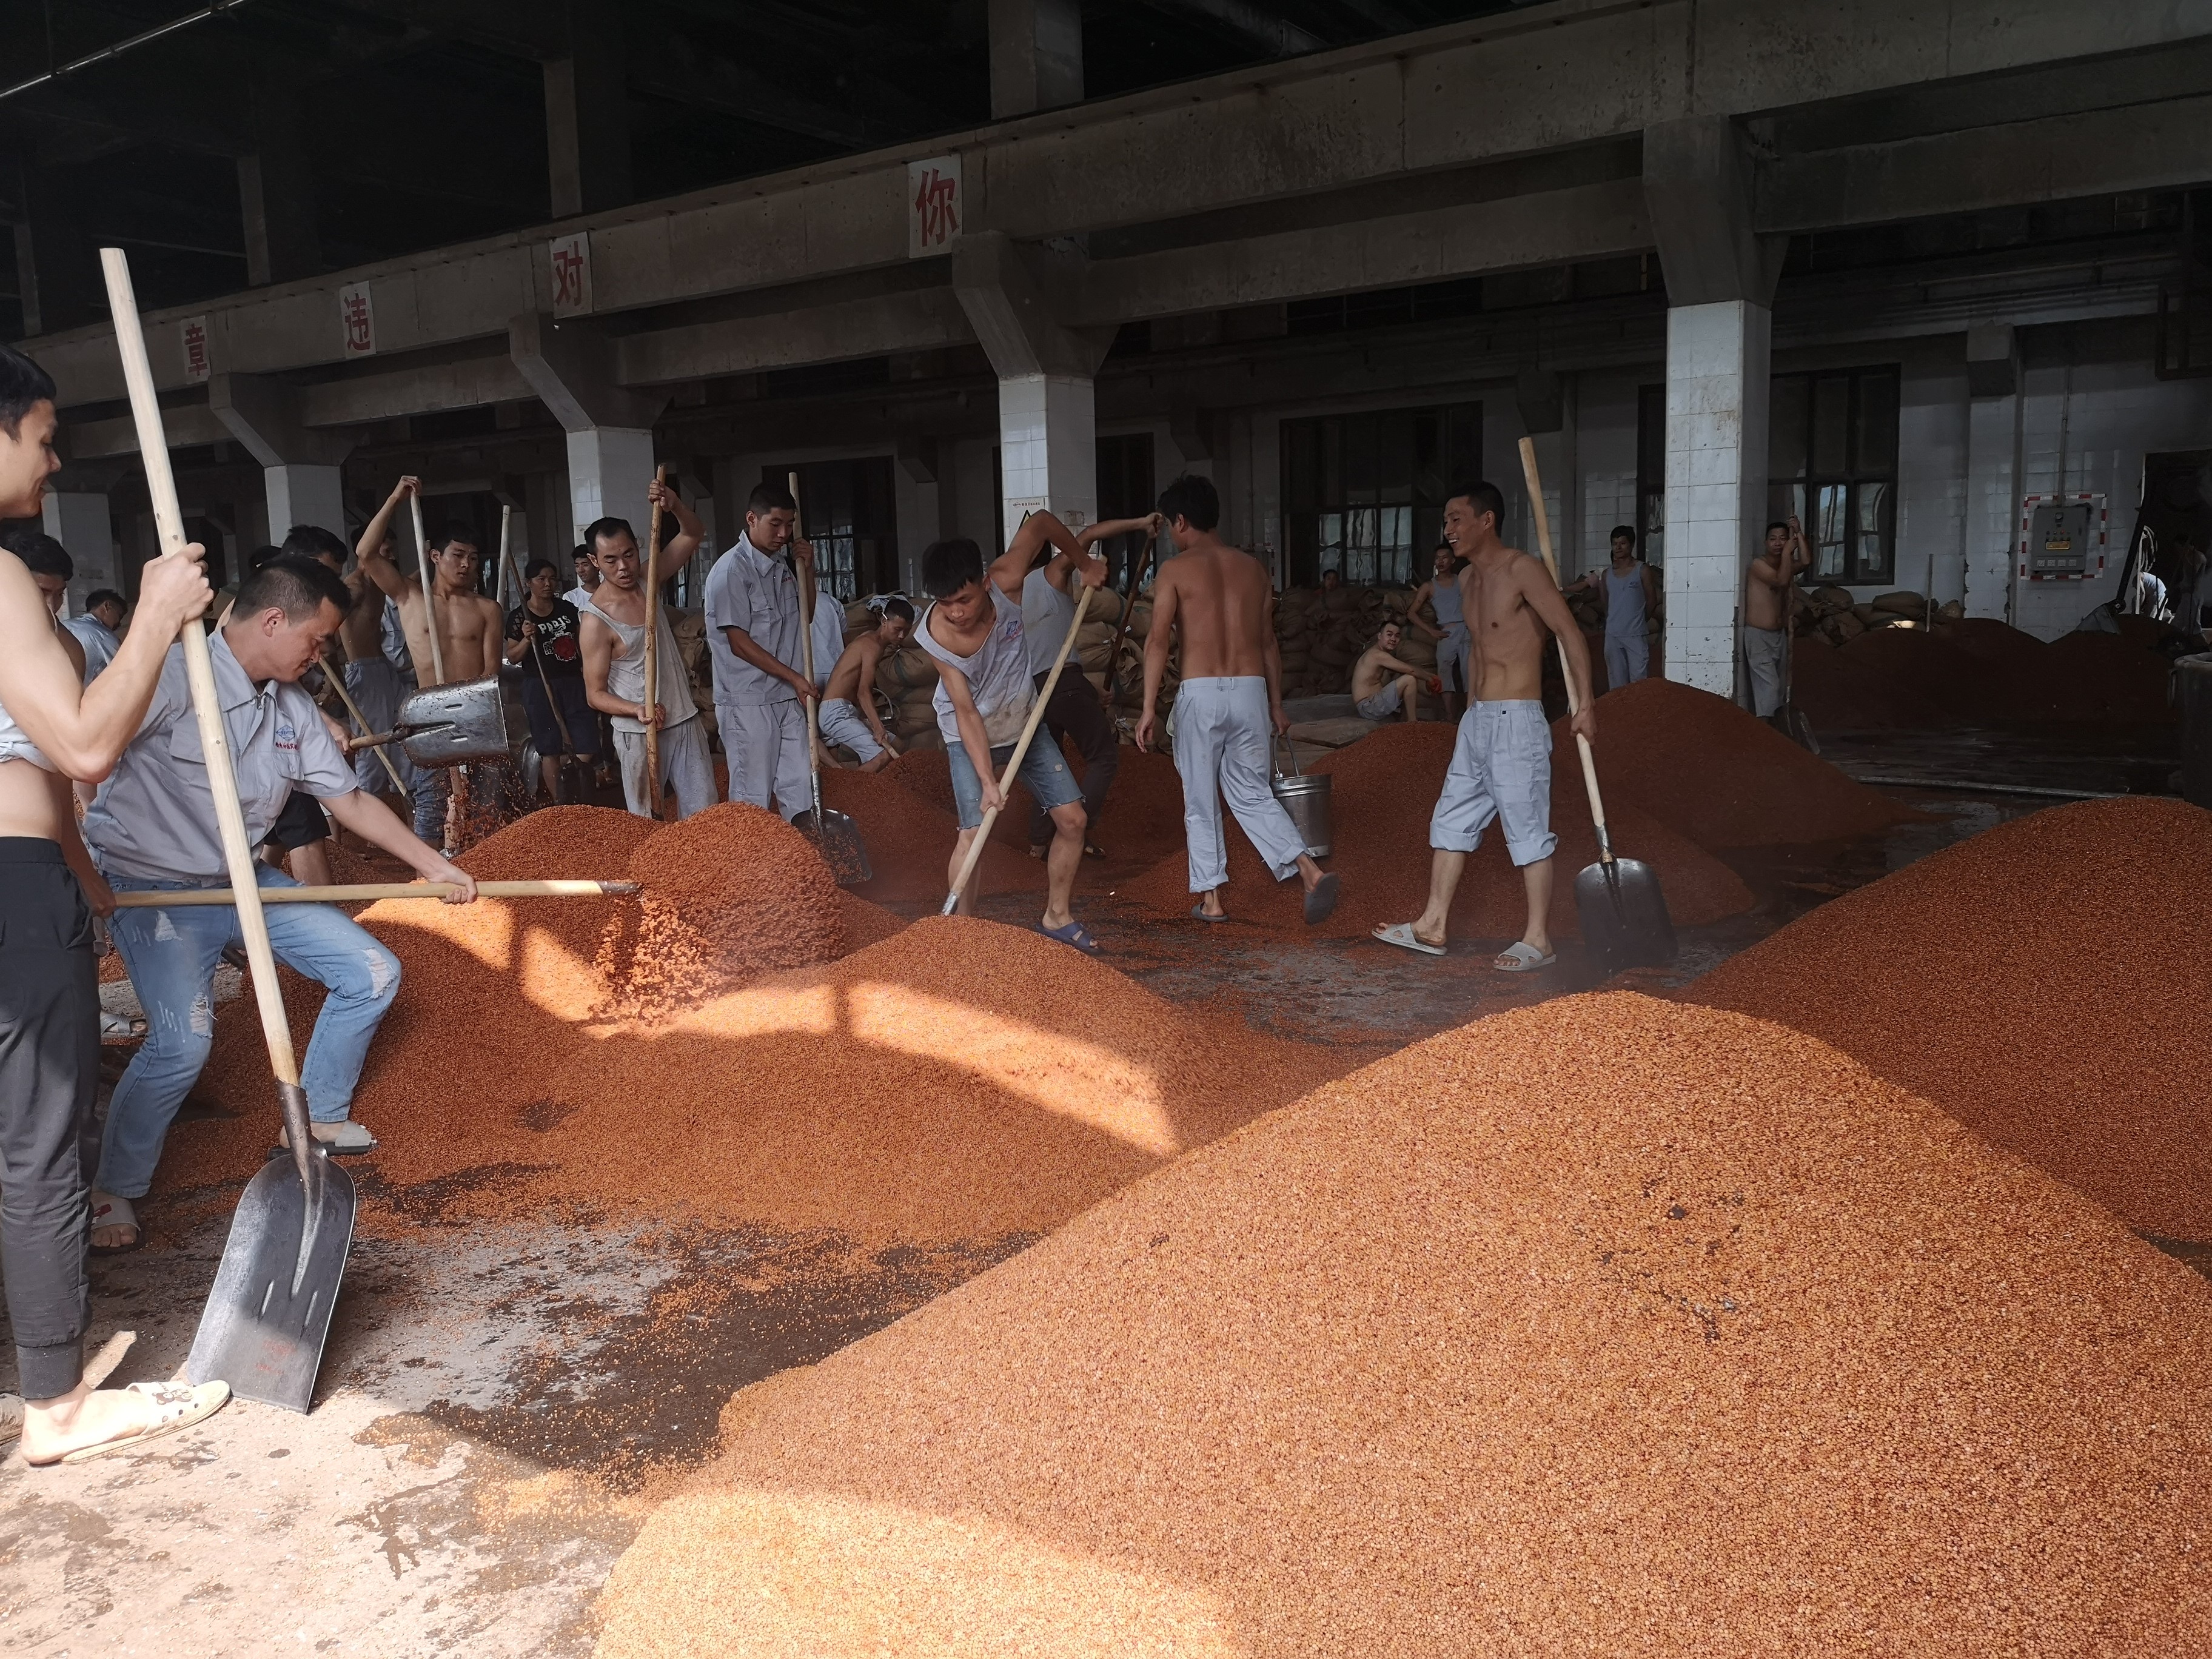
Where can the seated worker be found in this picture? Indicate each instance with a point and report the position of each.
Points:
(1441, 592)
(544, 633)
(984, 696)
(1381, 684)
(1766, 610)
(1077, 711)
(153, 829)
(1501, 765)
(614, 665)
(1628, 593)
(848, 703)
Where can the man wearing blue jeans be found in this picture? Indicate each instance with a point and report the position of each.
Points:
(153, 829)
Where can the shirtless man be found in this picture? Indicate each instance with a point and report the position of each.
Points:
(470, 627)
(1221, 600)
(614, 619)
(1501, 766)
(1765, 606)
(849, 704)
(973, 633)
(1441, 591)
(1381, 684)
(54, 728)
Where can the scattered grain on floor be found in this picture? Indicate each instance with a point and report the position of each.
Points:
(1601, 1328)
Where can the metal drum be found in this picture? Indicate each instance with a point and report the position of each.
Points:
(1307, 800)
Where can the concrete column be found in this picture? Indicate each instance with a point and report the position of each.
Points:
(57, 266)
(1048, 448)
(1717, 367)
(81, 522)
(302, 494)
(609, 467)
(1037, 56)
(1993, 481)
(277, 188)
(588, 114)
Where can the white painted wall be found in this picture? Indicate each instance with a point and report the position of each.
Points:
(1932, 426)
(1605, 444)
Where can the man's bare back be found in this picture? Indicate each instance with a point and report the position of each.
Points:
(1224, 603)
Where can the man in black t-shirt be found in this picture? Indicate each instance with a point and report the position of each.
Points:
(542, 635)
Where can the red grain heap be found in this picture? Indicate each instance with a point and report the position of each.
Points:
(909, 837)
(1608, 1327)
(1979, 671)
(2043, 982)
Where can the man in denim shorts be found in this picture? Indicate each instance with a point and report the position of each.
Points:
(1501, 765)
(985, 691)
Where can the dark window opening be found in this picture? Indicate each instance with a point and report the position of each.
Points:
(849, 511)
(1832, 462)
(1363, 495)
(1125, 491)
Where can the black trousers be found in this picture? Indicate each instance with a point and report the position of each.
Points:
(1075, 712)
(49, 1148)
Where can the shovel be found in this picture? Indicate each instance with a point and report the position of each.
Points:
(448, 725)
(1624, 914)
(1788, 718)
(834, 833)
(269, 1313)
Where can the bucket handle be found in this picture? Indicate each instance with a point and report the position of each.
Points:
(1290, 749)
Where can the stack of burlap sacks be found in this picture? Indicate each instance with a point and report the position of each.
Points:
(1831, 615)
(1320, 636)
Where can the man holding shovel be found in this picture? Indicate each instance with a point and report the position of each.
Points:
(469, 627)
(984, 694)
(753, 641)
(1219, 598)
(153, 829)
(54, 728)
(1501, 765)
(614, 620)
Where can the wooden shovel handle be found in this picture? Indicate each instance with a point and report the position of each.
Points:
(1566, 673)
(199, 670)
(653, 653)
(362, 891)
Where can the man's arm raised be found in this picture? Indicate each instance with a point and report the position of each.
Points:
(369, 550)
(1041, 527)
(82, 729)
(676, 552)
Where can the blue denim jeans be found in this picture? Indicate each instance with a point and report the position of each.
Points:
(429, 789)
(172, 957)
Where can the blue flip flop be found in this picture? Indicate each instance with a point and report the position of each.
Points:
(1074, 933)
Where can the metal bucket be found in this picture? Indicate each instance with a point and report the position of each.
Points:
(1307, 800)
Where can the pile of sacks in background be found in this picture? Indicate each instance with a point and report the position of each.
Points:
(1830, 613)
(1320, 635)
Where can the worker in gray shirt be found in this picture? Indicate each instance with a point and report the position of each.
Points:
(95, 629)
(753, 639)
(153, 829)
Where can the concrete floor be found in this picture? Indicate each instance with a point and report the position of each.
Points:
(498, 1412)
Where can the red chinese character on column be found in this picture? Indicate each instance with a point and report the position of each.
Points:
(935, 204)
(360, 324)
(568, 276)
(196, 366)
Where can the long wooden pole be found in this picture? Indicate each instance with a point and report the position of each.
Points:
(806, 602)
(1566, 673)
(522, 588)
(429, 604)
(207, 709)
(1137, 569)
(338, 684)
(1014, 763)
(352, 892)
(653, 653)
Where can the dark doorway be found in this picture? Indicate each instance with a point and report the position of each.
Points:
(1125, 491)
(849, 511)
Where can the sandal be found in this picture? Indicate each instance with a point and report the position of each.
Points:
(177, 1406)
(1320, 899)
(1401, 935)
(109, 1211)
(1074, 933)
(1199, 910)
(1521, 958)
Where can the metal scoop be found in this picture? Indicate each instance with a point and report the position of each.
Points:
(450, 725)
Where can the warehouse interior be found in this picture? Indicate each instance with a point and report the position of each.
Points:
(763, 1262)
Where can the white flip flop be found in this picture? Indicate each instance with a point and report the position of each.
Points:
(1401, 933)
(1521, 958)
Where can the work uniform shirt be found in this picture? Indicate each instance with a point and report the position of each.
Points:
(756, 592)
(98, 639)
(155, 817)
(554, 640)
(1047, 615)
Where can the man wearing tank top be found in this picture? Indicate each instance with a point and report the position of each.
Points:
(54, 728)
(1441, 591)
(1221, 603)
(614, 622)
(973, 633)
(1628, 595)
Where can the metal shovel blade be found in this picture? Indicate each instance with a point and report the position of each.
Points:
(842, 849)
(455, 725)
(269, 1313)
(1624, 915)
(1790, 722)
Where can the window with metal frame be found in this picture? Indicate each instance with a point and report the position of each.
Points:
(1832, 463)
(849, 511)
(1363, 495)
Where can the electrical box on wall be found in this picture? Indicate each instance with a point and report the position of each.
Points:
(2062, 537)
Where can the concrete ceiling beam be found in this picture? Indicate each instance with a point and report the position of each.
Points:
(571, 366)
(1014, 316)
(265, 414)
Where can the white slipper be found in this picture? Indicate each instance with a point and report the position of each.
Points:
(1401, 933)
(1521, 958)
(176, 1406)
(109, 1211)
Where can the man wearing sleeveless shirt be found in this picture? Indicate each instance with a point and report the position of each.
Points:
(54, 728)
(1628, 594)
(614, 619)
(1453, 650)
(985, 692)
